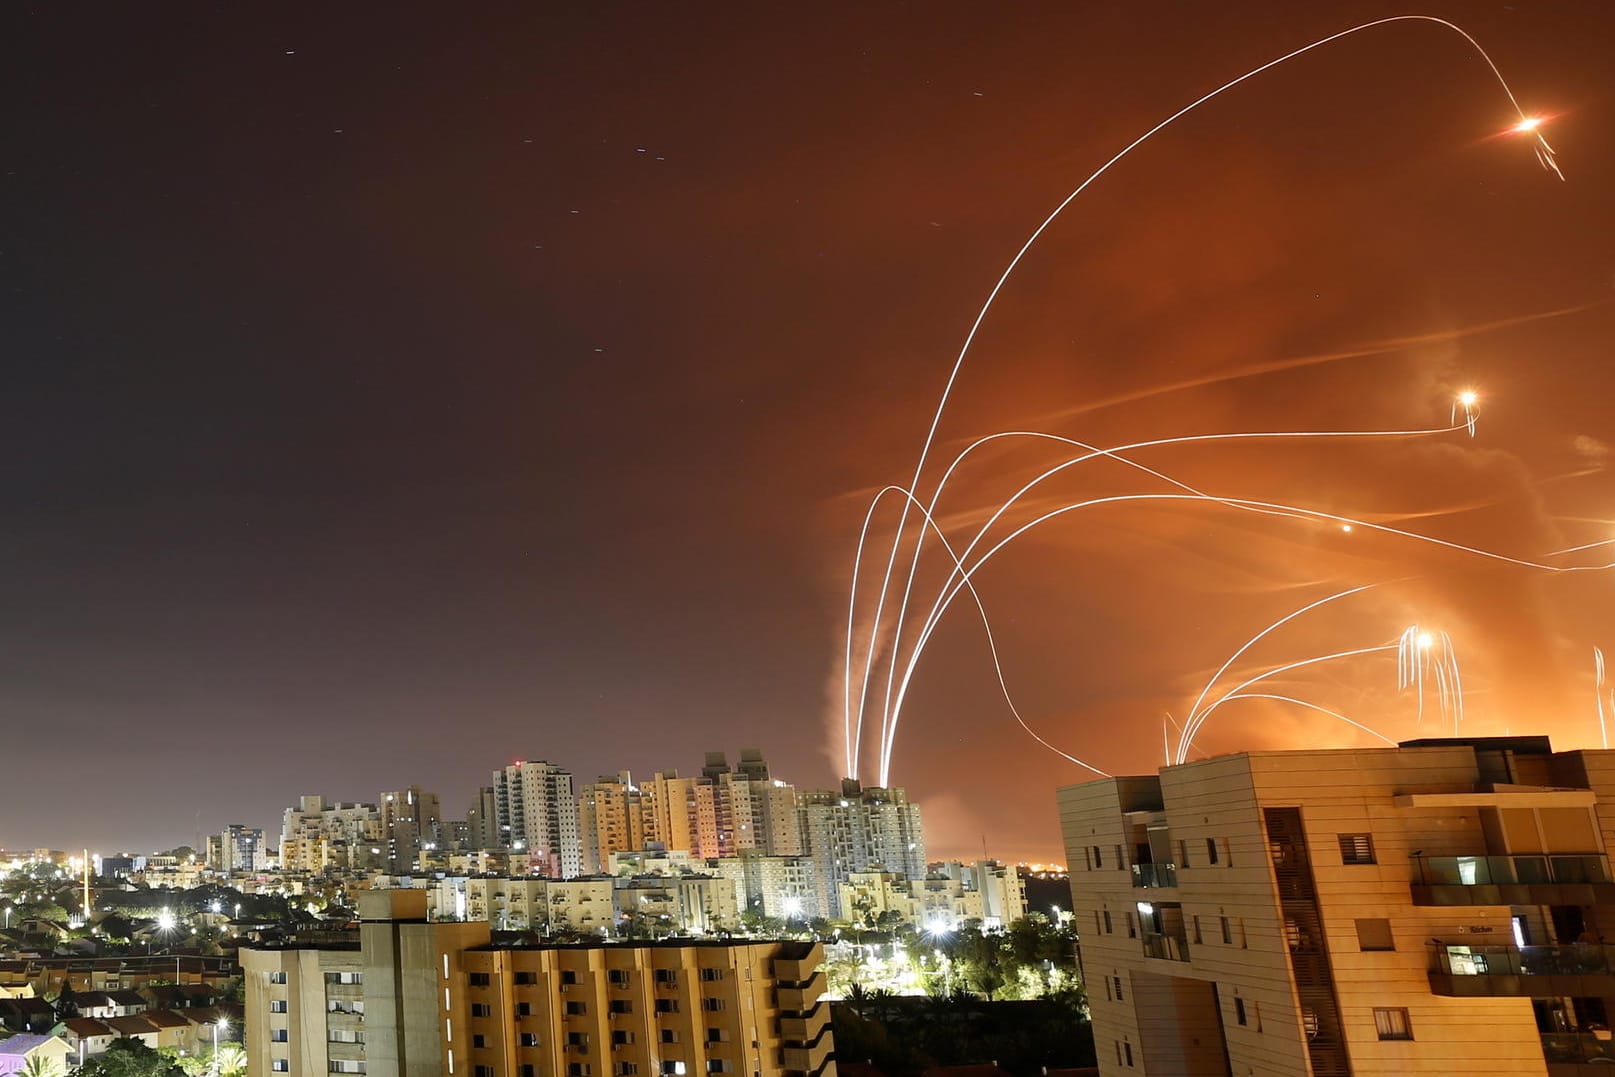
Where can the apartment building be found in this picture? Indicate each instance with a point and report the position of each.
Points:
(858, 829)
(1440, 907)
(537, 813)
(413, 998)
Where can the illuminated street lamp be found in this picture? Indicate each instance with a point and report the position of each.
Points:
(222, 1023)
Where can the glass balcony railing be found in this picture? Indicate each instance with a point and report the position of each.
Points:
(1166, 947)
(1155, 875)
(1579, 959)
(1511, 870)
(1579, 1047)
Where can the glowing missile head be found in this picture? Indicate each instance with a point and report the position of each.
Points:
(1346, 528)
(1424, 640)
(1527, 125)
(1468, 398)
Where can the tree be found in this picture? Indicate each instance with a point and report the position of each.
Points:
(125, 1057)
(40, 1066)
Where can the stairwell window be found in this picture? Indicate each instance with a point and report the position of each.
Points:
(1239, 1011)
(1392, 1023)
(1211, 850)
(1357, 849)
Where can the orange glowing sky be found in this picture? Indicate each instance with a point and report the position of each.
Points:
(392, 397)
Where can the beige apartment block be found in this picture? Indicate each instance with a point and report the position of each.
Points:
(411, 998)
(1437, 908)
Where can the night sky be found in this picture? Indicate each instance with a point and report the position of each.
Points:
(395, 390)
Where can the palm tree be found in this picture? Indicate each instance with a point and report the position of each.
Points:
(40, 1066)
(230, 1060)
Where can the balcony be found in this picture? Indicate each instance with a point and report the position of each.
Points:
(1568, 1052)
(1155, 875)
(1166, 947)
(1464, 971)
(1537, 879)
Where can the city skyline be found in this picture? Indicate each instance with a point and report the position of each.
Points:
(391, 399)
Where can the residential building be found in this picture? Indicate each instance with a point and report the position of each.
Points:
(858, 829)
(315, 836)
(583, 904)
(411, 819)
(1439, 907)
(537, 814)
(421, 999)
(482, 821)
(239, 848)
(611, 819)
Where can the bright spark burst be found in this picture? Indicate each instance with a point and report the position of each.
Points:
(1422, 653)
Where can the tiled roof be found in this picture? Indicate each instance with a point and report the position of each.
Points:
(19, 1045)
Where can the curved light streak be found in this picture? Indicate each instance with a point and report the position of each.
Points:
(1314, 706)
(1313, 514)
(1192, 728)
(1544, 156)
(855, 738)
(987, 628)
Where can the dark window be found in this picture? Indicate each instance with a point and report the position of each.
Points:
(577, 1039)
(667, 1005)
(621, 1037)
(1375, 934)
(278, 1035)
(1357, 848)
(277, 1005)
(1098, 858)
(666, 976)
(526, 979)
(527, 1069)
(1132, 926)
(481, 1009)
(1239, 1010)
(1117, 981)
(1227, 931)
(622, 1005)
(478, 979)
(1127, 1049)
(669, 1036)
(1211, 850)
(577, 1069)
(524, 1009)
(277, 977)
(618, 976)
(711, 975)
(626, 1069)
(713, 1004)
(1108, 929)
(483, 1071)
(569, 977)
(1197, 930)
(478, 1040)
(574, 1009)
(1392, 1024)
(529, 1039)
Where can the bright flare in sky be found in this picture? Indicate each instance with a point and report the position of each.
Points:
(1529, 124)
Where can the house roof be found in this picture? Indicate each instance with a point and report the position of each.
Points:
(22, 1045)
(165, 1019)
(131, 1026)
(85, 1027)
(126, 998)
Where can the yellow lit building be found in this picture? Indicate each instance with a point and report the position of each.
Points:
(1437, 908)
(414, 998)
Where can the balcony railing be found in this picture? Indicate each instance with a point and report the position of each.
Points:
(1166, 947)
(1578, 1047)
(1153, 875)
(1579, 959)
(1536, 869)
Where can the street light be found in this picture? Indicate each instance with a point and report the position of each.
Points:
(224, 1024)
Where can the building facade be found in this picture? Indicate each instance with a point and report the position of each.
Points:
(414, 998)
(858, 829)
(1440, 907)
(537, 813)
